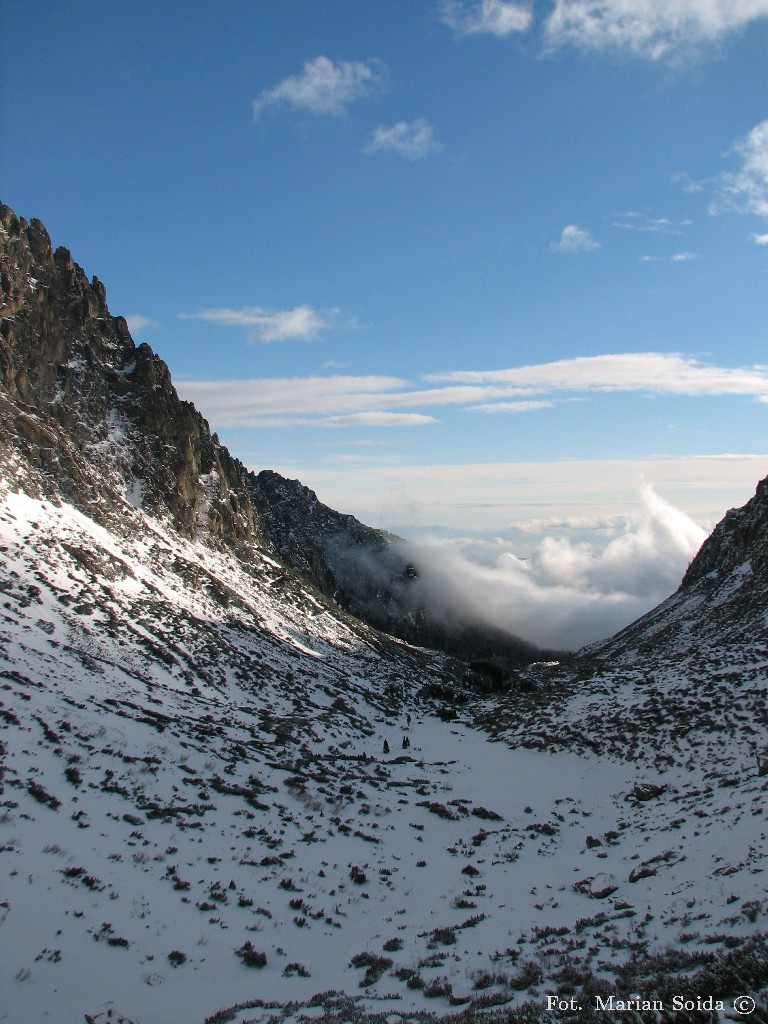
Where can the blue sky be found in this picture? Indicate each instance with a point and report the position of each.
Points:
(474, 267)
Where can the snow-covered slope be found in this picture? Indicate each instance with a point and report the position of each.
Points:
(224, 799)
(194, 762)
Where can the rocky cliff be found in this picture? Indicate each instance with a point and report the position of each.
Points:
(95, 413)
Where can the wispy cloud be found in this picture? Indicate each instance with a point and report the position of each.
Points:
(136, 322)
(747, 188)
(575, 239)
(512, 407)
(248, 403)
(374, 419)
(677, 257)
(489, 17)
(648, 372)
(760, 239)
(649, 28)
(392, 401)
(302, 322)
(632, 221)
(322, 87)
(411, 139)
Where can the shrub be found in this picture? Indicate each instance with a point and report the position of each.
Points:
(443, 937)
(296, 968)
(250, 956)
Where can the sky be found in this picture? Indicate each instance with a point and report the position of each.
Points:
(488, 272)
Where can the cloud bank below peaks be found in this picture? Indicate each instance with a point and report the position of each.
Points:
(566, 594)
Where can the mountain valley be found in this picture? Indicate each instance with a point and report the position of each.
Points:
(227, 798)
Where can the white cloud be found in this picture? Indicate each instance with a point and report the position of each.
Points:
(411, 139)
(408, 497)
(564, 594)
(747, 188)
(376, 419)
(513, 407)
(247, 403)
(575, 239)
(322, 88)
(136, 322)
(244, 403)
(654, 29)
(271, 325)
(653, 372)
(678, 257)
(760, 239)
(633, 221)
(492, 17)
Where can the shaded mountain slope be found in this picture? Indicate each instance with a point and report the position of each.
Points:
(375, 575)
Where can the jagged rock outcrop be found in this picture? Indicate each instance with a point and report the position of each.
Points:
(93, 411)
(313, 538)
(722, 601)
(740, 538)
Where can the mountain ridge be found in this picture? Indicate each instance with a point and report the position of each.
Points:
(72, 373)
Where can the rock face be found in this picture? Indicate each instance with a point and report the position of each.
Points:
(318, 541)
(740, 538)
(81, 402)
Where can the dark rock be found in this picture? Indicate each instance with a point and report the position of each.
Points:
(647, 790)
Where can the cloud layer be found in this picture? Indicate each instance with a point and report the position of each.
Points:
(285, 401)
(566, 594)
